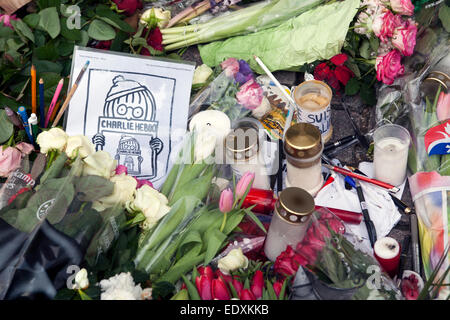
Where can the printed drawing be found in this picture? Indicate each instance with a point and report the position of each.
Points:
(130, 107)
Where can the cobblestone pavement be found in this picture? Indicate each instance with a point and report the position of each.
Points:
(364, 118)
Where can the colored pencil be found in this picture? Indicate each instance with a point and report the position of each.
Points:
(70, 94)
(33, 89)
(54, 101)
(55, 110)
(41, 103)
(345, 172)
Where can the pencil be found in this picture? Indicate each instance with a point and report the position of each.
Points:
(41, 103)
(33, 89)
(54, 101)
(70, 94)
(55, 110)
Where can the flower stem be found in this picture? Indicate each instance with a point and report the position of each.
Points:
(224, 222)
(146, 36)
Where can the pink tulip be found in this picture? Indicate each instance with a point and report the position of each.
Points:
(206, 271)
(243, 184)
(204, 286)
(226, 201)
(443, 106)
(257, 285)
(25, 148)
(121, 169)
(219, 290)
(246, 295)
(10, 159)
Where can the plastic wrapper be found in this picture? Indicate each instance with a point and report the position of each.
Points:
(335, 267)
(411, 102)
(48, 226)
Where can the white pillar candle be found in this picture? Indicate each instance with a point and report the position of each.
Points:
(391, 154)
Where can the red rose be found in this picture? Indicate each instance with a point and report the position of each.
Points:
(343, 74)
(288, 261)
(104, 45)
(154, 40)
(321, 71)
(333, 81)
(129, 7)
(339, 59)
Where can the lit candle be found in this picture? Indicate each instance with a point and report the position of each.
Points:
(387, 251)
(391, 153)
(289, 221)
(303, 148)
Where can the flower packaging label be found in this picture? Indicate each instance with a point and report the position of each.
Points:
(133, 107)
(437, 139)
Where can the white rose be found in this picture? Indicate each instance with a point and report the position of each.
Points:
(80, 145)
(124, 189)
(201, 74)
(120, 287)
(99, 163)
(205, 144)
(81, 280)
(151, 203)
(162, 15)
(234, 260)
(53, 139)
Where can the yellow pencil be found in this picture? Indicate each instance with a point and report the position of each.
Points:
(33, 89)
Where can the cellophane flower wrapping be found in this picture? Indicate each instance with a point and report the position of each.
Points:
(405, 103)
(334, 261)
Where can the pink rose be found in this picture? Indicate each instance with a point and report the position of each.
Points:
(230, 66)
(5, 19)
(25, 148)
(389, 66)
(10, 159)
(383, 25)
(403, 7)
(121, 169)
(142, 182)
(404, 38)
(250, 95)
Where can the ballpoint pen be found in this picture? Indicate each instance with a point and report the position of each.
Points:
(403, 257)
(415, 243)
(369, 223)
(23, 114)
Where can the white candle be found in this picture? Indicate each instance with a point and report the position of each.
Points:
(390, 160)
(309, 178)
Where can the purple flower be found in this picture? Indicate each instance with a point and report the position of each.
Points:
(244, 74)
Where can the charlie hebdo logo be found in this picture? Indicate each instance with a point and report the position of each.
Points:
(130, 110)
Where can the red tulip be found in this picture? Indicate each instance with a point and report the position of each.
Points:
(206, 271)
(219, 290)
(257, 284)
(204, 285)
(246, 294)
(218, 274)
(277, 287)
(238, 286)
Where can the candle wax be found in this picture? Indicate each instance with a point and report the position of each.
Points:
(390, 159)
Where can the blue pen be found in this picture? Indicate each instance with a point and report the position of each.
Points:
(23, 114)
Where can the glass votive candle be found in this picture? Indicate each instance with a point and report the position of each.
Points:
(289, 221)
(391, 145)
(303, 148)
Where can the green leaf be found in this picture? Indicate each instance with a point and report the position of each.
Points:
(374, 43)
(255, 219)
(47, 52)
(84, 39)
(20, 26)
(32, 20)
(65, 48)
(364, 50)
(6, 127)
(5, 32)
(444, 15)
(45, 66)
(106, 14)
(100, 30)
(49, 21)
(83, 295)
(70, 34)
(213, 239)
(193, 293)
(352, 86)
(368, 94)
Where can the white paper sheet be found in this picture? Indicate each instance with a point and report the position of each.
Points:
(133, 107)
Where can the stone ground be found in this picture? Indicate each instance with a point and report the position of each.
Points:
(364, 118)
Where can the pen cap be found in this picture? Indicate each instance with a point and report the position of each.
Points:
(33, 119)
(23, 114)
